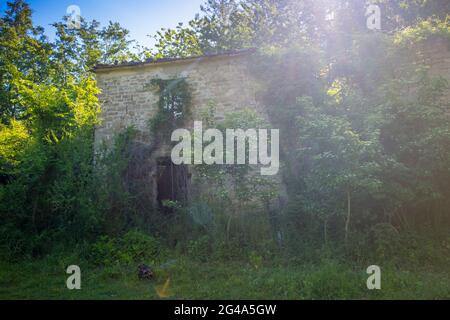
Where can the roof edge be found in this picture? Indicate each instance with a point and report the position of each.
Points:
(149, 62)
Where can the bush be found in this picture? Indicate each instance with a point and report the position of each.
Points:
(133, 247)
(200, 249)
(332, 280)
(385, 240)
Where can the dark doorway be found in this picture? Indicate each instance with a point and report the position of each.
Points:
(171, 183)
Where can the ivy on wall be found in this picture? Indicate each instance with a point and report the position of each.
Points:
(173, 106)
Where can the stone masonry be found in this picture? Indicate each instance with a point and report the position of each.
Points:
(128, 97)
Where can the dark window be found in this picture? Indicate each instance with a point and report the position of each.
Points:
(172, 182)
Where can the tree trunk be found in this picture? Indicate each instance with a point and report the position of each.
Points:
(228, 228)
(347, 220)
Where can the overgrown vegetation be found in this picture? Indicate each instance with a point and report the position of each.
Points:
(365, 150)
(174, 106)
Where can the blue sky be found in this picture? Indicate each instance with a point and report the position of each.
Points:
(141, 17)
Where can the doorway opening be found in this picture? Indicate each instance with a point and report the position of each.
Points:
(172, 184)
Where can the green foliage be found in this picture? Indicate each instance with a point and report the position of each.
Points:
(50, 180)
(229, 25)
(13, 141)
(113, 199)
(333, 280)
(49, 107)
(404, 13)
(255, 259)
(350, 138)
(133, 247)
(244, 181)
(422, 31)
(175, 43)
(200, 248)
(240, 189)
(174, 107)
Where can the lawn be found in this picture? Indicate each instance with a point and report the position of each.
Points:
(184, 278)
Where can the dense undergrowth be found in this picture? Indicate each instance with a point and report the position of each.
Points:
(109, 271)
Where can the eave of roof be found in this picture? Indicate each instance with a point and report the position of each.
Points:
(100, 67)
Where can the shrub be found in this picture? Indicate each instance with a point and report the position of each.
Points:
(332, 280)
(255, 259)
(385, 240)
(134, 246)
(200, 249)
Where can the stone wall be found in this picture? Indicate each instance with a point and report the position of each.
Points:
(128, 97)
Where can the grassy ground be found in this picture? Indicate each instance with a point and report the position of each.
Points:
(185, 279)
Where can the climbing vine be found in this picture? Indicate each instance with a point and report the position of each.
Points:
(173, 105)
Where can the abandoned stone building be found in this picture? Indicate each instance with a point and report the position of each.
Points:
(130, 97)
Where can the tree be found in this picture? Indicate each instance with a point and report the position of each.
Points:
(339, 165)
(176, 43)
(49, 107)
(24, 53)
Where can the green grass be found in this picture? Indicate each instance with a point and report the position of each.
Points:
(186, 279)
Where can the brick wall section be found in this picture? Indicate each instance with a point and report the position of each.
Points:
(128, 97)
